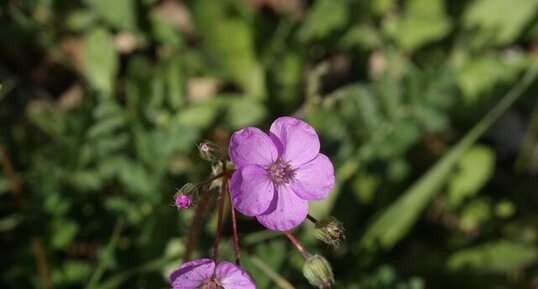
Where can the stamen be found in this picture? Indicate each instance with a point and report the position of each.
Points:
(280, 172)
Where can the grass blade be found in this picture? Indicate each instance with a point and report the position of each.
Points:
(394, 223)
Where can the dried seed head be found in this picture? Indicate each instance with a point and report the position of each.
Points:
(330, 231)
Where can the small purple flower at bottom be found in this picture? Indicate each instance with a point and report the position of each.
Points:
(277, 174)
(183, 201)
(203, 274)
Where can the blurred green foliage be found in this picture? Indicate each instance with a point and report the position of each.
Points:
(102, 103)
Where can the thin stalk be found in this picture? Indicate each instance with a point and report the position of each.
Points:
(234, 230)
(35, 239)
(297, 245)
(194, 229)
(222, 197)
(210, 180)
(311, 219)
(106, 259)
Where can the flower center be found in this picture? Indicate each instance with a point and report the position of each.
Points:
(280, 172)
(210, 284)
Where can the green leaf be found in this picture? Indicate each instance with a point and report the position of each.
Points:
(423, 21)
(100, 60)
(237, 58)
(394, 223)
(10, 222)
(64, 233)
(200, 115)
(480, 75)
(244, 111)
(499, 21)
(75, 271)
(323, 18)
(4, 185)
(473, 171)
(498, 256)
(165, 32)
(118, 13)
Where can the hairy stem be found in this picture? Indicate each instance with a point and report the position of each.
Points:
(234, 230)
(194, 229)
(210, 180)
(222, 196)
(35, 239)
(297, 245)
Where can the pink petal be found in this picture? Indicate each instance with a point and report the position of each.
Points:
(297, 141)
(231, 276)
(251, 146)
(191, 274)
(286, 211)
(314, 180)
(252, 190)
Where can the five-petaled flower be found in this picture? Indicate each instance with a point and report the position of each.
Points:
(277, 174)
(205, 274)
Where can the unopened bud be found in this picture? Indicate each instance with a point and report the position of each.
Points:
(187, 196)
(183, 201)
(210, 151)
(318, 272)
(330, 231)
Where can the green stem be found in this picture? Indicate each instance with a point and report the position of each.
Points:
(106, 258)
(222, 197)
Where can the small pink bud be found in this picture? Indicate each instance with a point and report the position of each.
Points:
(183, 201)
(210, 151)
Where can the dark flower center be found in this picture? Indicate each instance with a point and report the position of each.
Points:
(210, 284)
(280, 172)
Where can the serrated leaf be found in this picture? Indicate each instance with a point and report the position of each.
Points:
(423, 21)
(499, 21)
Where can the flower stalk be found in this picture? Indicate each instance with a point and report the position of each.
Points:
(297, 245)
(222, 197)
(235, 235)
(194, 229)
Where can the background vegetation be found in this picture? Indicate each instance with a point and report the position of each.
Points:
(103, 101)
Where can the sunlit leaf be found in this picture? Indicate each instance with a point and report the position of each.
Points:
(100, 60)
(472, 172)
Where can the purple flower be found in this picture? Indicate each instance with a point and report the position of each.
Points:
(183, 201)
(277, 174)
(203, 274)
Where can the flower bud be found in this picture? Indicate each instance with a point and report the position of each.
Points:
(330, 231)
(210, 151)
(183, 201)
(187, 196)
(318, 272)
